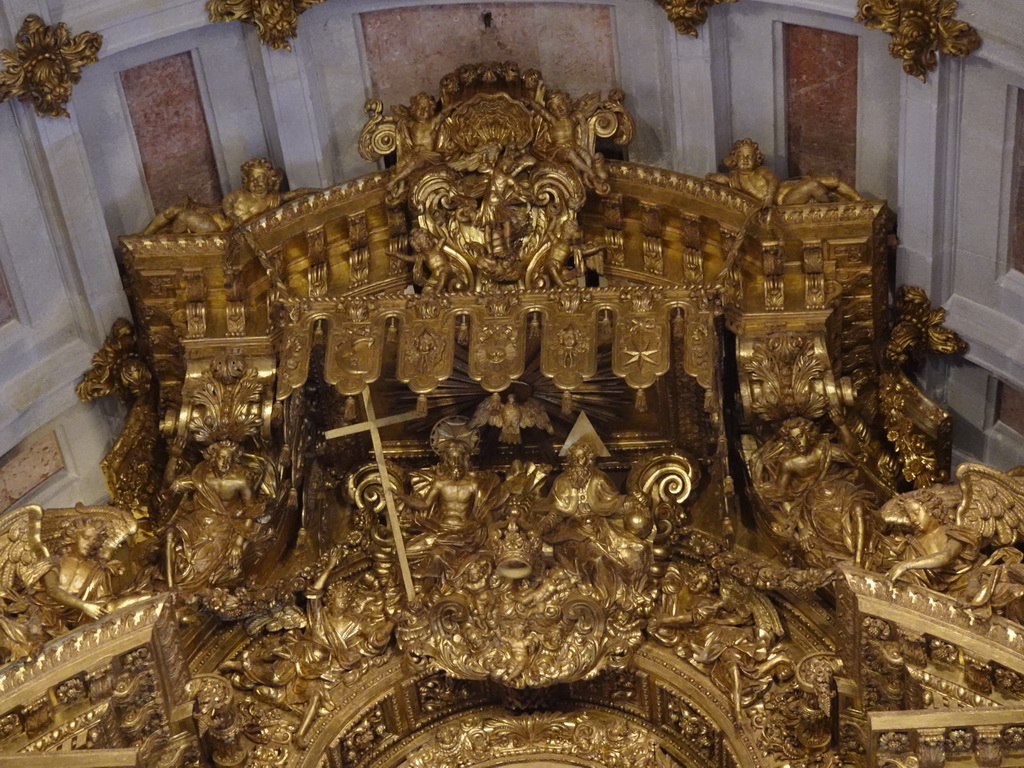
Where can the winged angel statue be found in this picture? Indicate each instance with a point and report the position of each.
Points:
(511, 417)
(57, 572)
(961, 539)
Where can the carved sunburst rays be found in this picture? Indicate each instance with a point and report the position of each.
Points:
(604, 397)
(46, 63)
(919, 29)
(275, 20)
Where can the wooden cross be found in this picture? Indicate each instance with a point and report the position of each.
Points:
(373, 425)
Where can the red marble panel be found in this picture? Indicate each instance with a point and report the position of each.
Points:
(821, 102)
(571, 44)
(26, 467)
(171, 131)
(1017, 190)
(1010, 407)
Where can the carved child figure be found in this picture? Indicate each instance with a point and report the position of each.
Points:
(260, 192)
(416, 130)
(429, 251)
(563, 131)
(747, 174)
(566, 247)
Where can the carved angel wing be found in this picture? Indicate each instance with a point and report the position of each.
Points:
(533, 414)
(993, 503)
(480, 160)
(21, 547)
(586, 105)
(57, 528)
(488, 412)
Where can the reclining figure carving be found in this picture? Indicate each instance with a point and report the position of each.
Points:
(961, 539)
(748, 174)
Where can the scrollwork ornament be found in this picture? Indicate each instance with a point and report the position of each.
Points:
(922, 449)
(275, 20)
(46, 64)
(920, 29)
(688, 15)
(594, 737)
(129, 467)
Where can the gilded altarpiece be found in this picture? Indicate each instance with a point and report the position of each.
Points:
(513, 453)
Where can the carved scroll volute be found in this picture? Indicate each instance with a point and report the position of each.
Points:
(568, 352)
(497, 348)
(611, 121)
(354, 352)
(379, 136)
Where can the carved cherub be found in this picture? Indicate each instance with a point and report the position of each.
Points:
(961, 539)
(566, 247)
(565, 135)
(56, 571)
(429, 250)
(260, 192)
(188, 217)
(747, 174)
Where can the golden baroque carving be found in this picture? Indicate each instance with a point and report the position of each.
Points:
(919, 29)
(594, 737)
(57, 566)
(919, 329)
(748, 174)
(918, 428)
(687, 15)
(788, 373)
(275, 20)
(130, 467)
(496, 171)
(960, 539)
(524, 589)
(46, 64)
(811, 493)
(260, 192)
